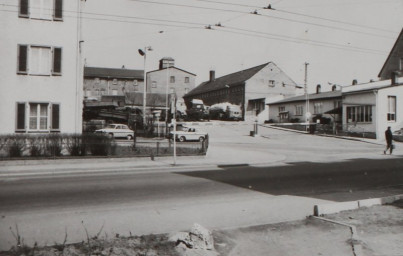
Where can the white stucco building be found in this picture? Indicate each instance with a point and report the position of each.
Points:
(40, 67)
(372, 107)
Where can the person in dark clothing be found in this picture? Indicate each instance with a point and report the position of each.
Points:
(388, 137)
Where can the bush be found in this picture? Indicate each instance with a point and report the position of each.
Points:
(99, 144)
(16, 146)
(54, 144)
(75, 145)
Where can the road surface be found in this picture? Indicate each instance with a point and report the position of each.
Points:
(315, 170)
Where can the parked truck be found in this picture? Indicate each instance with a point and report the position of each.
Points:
(225, 111)
(196, 110)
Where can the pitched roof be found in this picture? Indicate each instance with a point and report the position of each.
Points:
(230, 80)
(121, 73)
(365, 87)
(395, 54)
(174, 68)
(313, 96)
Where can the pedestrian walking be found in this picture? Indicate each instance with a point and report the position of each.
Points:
(388, 138)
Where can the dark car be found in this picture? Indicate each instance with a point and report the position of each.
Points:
(398, 135)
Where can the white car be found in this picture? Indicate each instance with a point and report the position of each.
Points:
(117, 131)
(189, 134)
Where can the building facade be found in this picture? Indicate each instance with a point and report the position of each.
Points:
(40, 67)
(372, 107)
(251, 89)
(100, 82)
(295, 109)
(169, 79)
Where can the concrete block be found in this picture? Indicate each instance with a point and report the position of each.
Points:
(391, 199)
(369, 202)
(334, 207)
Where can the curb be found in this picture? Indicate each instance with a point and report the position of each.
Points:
(320, 210)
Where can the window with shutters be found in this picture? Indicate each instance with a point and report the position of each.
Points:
(39, 60)
(33, 116)
(55, 117)
(41, 9)
(20, 116)
(57, 61)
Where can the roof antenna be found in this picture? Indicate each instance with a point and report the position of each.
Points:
(269, 7)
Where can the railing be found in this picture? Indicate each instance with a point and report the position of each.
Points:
(331, 129)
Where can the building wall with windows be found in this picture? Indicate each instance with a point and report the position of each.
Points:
(40, 67)
(359, 111)
(390, 108)
(100, 82)
(171, 80)
(251, 89)
(269, 82)
(294, 108)
(372, 107)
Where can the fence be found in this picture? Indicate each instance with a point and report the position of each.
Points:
(83, 145)
(334, 129)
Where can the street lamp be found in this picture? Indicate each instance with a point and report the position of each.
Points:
(143, 52)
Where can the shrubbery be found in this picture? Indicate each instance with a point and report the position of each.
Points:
(56, 145)
(87, 144)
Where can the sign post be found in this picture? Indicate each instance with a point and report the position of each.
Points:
(173, 112)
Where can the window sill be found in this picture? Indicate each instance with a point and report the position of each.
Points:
(38, 131)
(39, 74)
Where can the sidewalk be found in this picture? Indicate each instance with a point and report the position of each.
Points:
(216, 155)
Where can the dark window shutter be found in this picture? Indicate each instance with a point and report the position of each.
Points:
(22, 58)
(24, 8)
(20, 116)
(55, 116)
(57, 61)
(58, 11)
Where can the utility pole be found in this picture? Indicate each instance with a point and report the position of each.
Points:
(307, 113)
(173, 111)
(144, 54)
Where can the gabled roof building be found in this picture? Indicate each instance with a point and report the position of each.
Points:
(100, 81)
(249, 88)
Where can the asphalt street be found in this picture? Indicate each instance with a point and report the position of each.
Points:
(299, 171)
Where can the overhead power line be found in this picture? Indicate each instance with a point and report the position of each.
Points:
(300, 14)
(250, 33)
(264, 15)
(233, 11)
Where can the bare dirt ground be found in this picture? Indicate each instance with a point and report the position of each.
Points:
(379, 230)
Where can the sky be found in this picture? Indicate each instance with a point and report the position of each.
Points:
(341, 40)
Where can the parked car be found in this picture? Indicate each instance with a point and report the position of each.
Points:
(189, 134)
(398, 135)
(117, 131)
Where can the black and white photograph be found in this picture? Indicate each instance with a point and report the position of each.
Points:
(201, 127)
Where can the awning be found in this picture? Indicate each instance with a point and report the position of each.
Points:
(338, 110)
